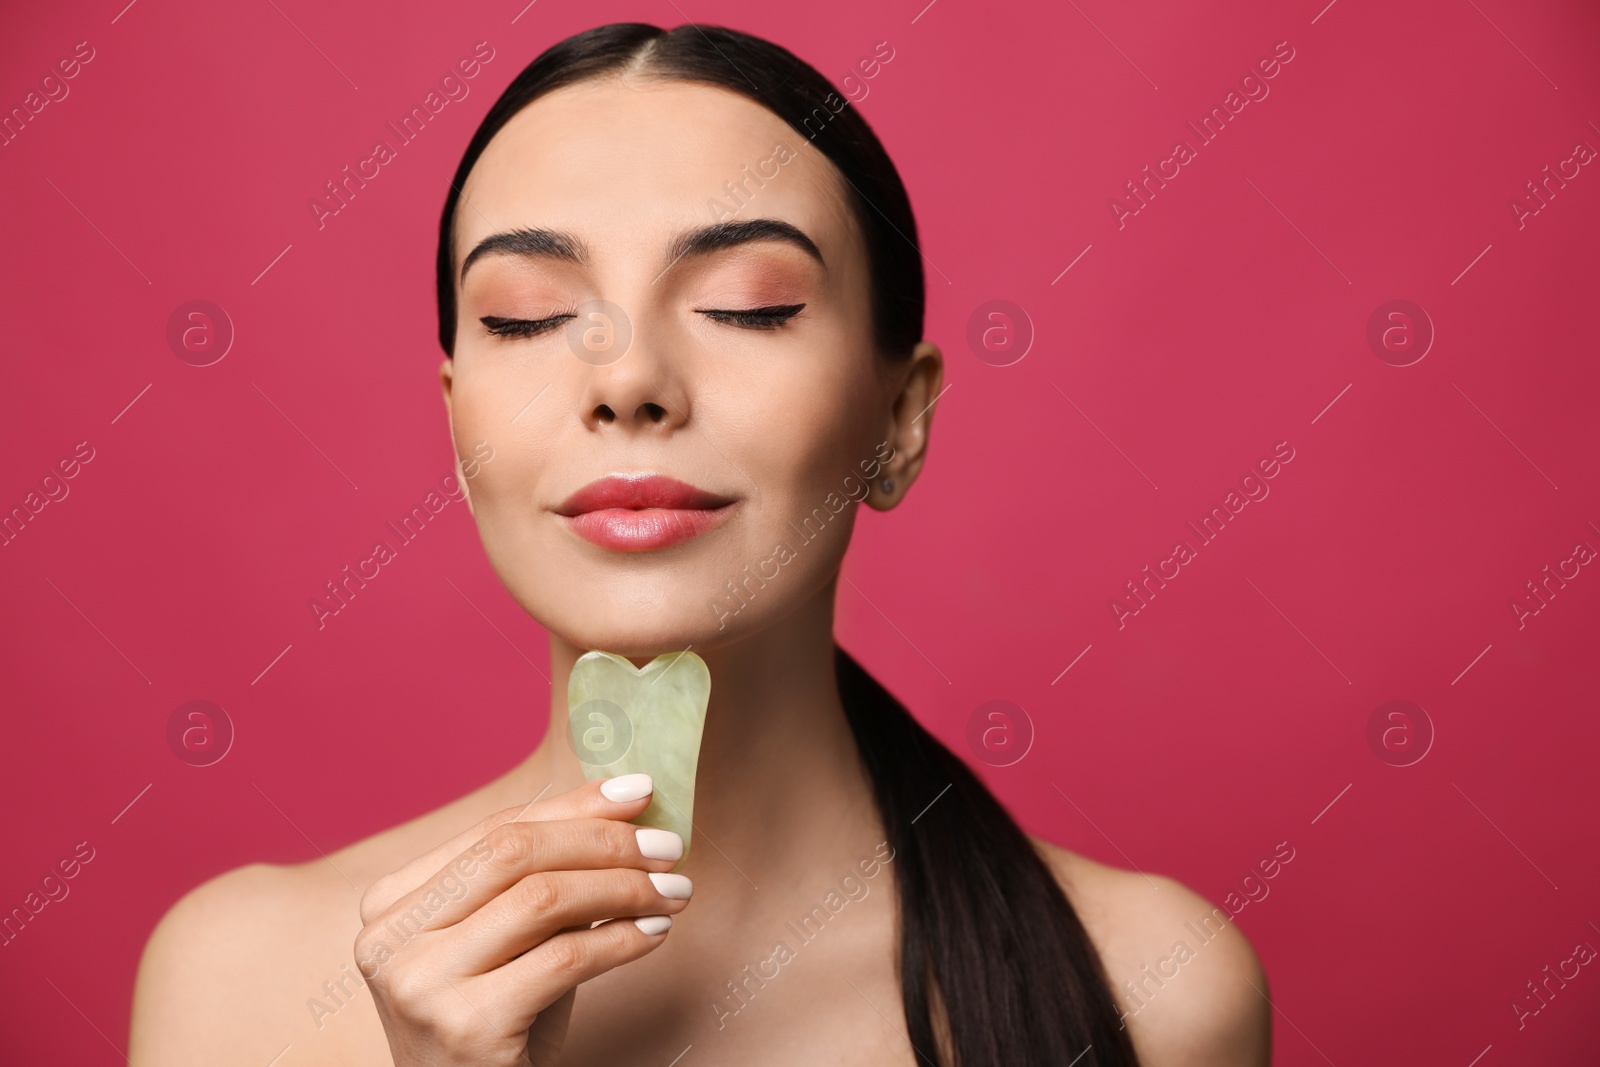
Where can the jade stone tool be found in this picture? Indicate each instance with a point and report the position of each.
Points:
(624, 720)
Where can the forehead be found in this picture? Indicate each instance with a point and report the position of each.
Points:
(625, 163)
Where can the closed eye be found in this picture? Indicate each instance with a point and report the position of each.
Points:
(762, 318)
(522, 327)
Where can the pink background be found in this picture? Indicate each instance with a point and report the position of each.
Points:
(1228, 715)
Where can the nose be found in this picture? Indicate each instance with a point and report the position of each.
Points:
(644, 413)
(637, 389)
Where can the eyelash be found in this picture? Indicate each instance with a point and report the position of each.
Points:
(521, 327)
(762, 318)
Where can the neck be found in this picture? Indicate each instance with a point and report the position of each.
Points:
(779, 789)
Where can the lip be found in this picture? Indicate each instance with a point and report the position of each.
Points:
(642, 512)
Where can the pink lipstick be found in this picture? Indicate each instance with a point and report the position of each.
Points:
(640, 513)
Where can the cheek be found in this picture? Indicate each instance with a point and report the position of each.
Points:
(485, 415)
(810, 474)
(805, 437)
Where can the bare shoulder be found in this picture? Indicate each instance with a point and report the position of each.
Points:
(263, 956)
(1188, 982)
(225, 968)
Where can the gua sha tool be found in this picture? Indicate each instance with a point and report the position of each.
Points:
(624, 720)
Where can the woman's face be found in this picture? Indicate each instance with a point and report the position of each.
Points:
(635, 363)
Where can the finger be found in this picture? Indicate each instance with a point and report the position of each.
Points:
(528, 984)
(513, 850)
(622, 797)
(542, 905)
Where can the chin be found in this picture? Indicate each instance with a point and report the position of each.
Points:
(640, 631)
(642, 643)
(643, 605)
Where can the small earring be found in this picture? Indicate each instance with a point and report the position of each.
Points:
(888, 485)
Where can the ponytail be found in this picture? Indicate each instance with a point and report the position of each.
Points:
(981, 914)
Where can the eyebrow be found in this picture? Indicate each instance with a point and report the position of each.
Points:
(716, 237)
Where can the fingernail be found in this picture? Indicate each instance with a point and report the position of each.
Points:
(654, 924)
(626, 787)
(673, 886)
(659, 844)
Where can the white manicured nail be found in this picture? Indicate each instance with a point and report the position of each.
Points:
(626, 787)
(673, 886)
(659, 844)
(654, 924)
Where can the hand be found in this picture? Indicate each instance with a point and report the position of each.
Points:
(474, 951)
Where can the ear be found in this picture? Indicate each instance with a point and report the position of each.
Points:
(446, 382)
(919, 385)
(446, 379)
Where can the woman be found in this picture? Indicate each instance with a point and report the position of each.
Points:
(679, 253)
